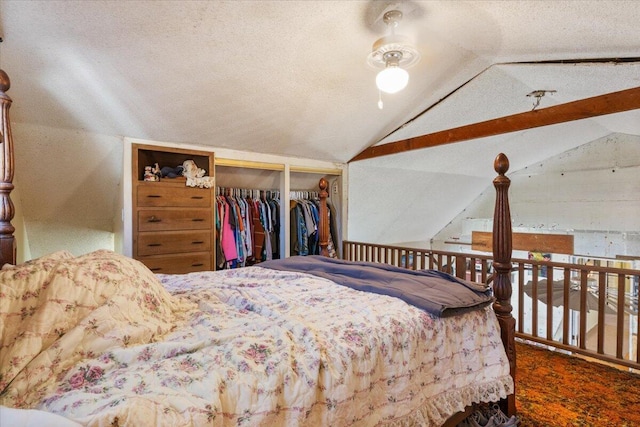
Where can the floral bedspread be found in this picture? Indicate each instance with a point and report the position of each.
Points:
(102, 341)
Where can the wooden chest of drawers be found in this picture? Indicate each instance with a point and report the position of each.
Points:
(173, 225)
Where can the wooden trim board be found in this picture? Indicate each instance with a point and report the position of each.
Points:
(609, 103)
(532, 242)
(249, 164)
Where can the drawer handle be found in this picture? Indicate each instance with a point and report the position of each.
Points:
(154, 219)
(197, 242)
(154, 244)
(156, 269)
(197, 264)
(154, 196)
(197, 197)
(197, 219)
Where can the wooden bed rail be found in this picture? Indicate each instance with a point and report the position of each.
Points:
(7, 211)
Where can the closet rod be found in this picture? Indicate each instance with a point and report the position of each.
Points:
(303, 194)
(237, 190)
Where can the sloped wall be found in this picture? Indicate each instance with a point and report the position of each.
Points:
(69, 187)
(70, 191)
(592, 192)
(412, 195)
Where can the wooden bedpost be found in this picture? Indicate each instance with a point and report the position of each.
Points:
(323, 226)
(502, 266)
(7, 211)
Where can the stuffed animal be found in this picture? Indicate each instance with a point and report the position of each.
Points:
(191, 170)
(156, 171)
(169, 172)
(149, 175)
(195, 175)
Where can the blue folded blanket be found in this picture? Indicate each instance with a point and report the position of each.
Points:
(438, 293)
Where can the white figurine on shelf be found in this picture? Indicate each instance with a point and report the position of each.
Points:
(196, 176)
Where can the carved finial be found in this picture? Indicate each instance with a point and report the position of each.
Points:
(323, 225)
(5, 83)
(501, 164)
(323, 184)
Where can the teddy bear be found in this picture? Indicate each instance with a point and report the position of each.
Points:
(191, 170)
(195, 175)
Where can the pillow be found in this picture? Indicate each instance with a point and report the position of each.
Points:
(18, 288)
(58, 310)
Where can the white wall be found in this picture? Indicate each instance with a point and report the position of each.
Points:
(69, 187)
(591, 192)
(72, 194)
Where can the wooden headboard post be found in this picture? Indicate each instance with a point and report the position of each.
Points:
(502, 265)
(7, 211)
(323, 226)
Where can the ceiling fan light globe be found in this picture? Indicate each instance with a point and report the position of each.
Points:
(392, 79)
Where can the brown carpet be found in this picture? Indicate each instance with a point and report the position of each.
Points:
(554, 389)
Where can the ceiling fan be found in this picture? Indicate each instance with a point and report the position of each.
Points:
(392, 54)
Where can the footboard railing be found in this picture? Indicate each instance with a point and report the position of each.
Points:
(457, 264)
(584, 309)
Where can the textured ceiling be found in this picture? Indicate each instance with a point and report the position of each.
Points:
(291, 78)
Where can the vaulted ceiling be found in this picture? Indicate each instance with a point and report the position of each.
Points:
(291, 77)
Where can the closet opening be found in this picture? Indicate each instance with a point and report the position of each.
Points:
(249, 218)
(304, 206)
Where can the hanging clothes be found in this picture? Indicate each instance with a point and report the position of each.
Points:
(249, 223)
(227, 237)
(258, 229)
(304, 216)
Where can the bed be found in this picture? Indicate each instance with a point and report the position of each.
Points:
(100, 340)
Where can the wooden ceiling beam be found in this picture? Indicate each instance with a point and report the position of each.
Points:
(609, 103)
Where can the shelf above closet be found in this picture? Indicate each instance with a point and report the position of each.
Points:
(249, 164)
